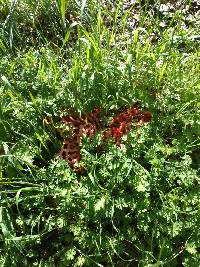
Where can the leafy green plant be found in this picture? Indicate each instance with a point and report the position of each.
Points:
(137, 205)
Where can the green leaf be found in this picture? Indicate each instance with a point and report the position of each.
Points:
(6, 223)
(191, 248)
(100, 204)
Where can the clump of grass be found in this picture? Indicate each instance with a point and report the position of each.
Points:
(136, 206)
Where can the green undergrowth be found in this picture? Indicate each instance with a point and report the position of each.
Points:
(135, 206)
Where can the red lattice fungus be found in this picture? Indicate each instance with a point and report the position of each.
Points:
(89, 124)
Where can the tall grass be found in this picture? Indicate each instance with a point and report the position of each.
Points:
(137, 206)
